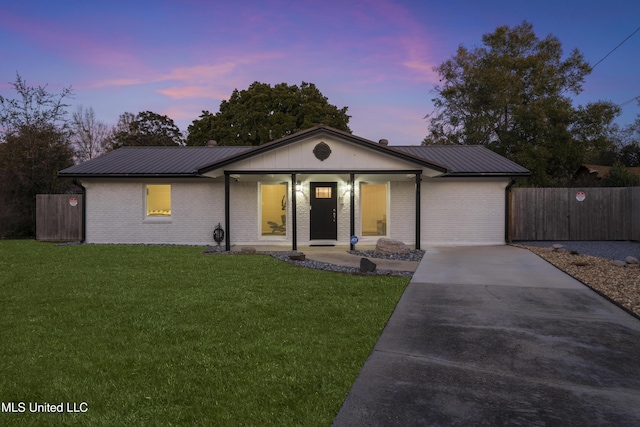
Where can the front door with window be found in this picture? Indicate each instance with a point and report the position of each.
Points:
(324, 210)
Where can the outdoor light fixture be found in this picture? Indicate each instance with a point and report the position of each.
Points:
(298, 186)
(349, 188)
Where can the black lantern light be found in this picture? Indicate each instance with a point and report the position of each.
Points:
(218, 234)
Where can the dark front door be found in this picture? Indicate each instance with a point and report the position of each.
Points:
(324, 205)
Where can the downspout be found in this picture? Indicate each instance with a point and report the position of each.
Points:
(507, 210)
(83, 234)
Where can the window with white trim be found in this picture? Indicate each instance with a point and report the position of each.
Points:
(274, 209)
(373, 207)
(158, 200)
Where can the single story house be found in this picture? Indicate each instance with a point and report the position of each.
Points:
(320, 186)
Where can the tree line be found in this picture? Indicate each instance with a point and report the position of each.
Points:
(39, 137)
(512, 95)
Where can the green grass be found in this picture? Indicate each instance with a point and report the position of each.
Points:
(152, 335)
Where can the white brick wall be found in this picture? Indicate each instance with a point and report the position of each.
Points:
(243, 212)
(116, 212)
(403, 212)
(459, 211)
(454, 212)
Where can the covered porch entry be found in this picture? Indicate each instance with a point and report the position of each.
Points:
(326, 208)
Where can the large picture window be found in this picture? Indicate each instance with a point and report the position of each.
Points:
(158, 200)
(373, 202)
(273, 209)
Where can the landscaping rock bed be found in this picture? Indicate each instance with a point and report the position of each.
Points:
(603, 249)
(318, 265)
(412, 255)
(619, 283)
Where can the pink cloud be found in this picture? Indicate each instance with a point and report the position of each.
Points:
(191, 92)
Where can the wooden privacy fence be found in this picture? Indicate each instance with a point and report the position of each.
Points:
(575, 213)
(59, 217)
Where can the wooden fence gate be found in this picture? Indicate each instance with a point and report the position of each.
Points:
(59, 217)
(575, 214)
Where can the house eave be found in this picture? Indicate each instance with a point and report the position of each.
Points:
(130, 175)
(486, 174)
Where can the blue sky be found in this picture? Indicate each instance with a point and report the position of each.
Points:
(374, 56)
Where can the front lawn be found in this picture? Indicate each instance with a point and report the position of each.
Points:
(158, 335)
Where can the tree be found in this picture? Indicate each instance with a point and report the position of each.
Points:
(511, 96)
(620, 176)
(263, 113)
(34, 146)
(34, 109)
(630, 154)
(628, 147)
(89, 134)
(145, 129)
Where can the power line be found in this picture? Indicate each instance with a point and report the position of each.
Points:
(629, 101)
(612, 50)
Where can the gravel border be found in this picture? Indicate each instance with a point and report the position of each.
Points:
(412, 255)
(601, 248)
(325, 266)
(620, 285)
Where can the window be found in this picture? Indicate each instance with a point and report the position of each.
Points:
(373, 202)
(273, 209)
(323, 192)
(158, 200)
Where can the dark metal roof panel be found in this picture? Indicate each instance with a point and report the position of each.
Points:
(153, 161)
(465, 159)
(460, 160)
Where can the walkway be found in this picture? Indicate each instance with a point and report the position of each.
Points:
(497, 336)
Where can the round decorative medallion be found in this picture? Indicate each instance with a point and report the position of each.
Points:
(322, 151)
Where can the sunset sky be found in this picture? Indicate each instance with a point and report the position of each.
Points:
(374, 56)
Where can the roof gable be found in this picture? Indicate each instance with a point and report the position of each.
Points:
(323, 149)
(360, 154)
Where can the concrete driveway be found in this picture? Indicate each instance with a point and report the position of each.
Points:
(497, 336)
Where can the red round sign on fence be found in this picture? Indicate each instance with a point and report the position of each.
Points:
(580, 196)
(73, 201)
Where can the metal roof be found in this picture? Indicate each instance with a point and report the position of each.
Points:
(153, 161)
(465, 160)
(453, 160)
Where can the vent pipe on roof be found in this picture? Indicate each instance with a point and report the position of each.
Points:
(212, 143)
(383, 142)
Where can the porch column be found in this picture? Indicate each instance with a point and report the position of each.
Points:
(418, 179)
(352, 209)
(294, 219)
(227, 241)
